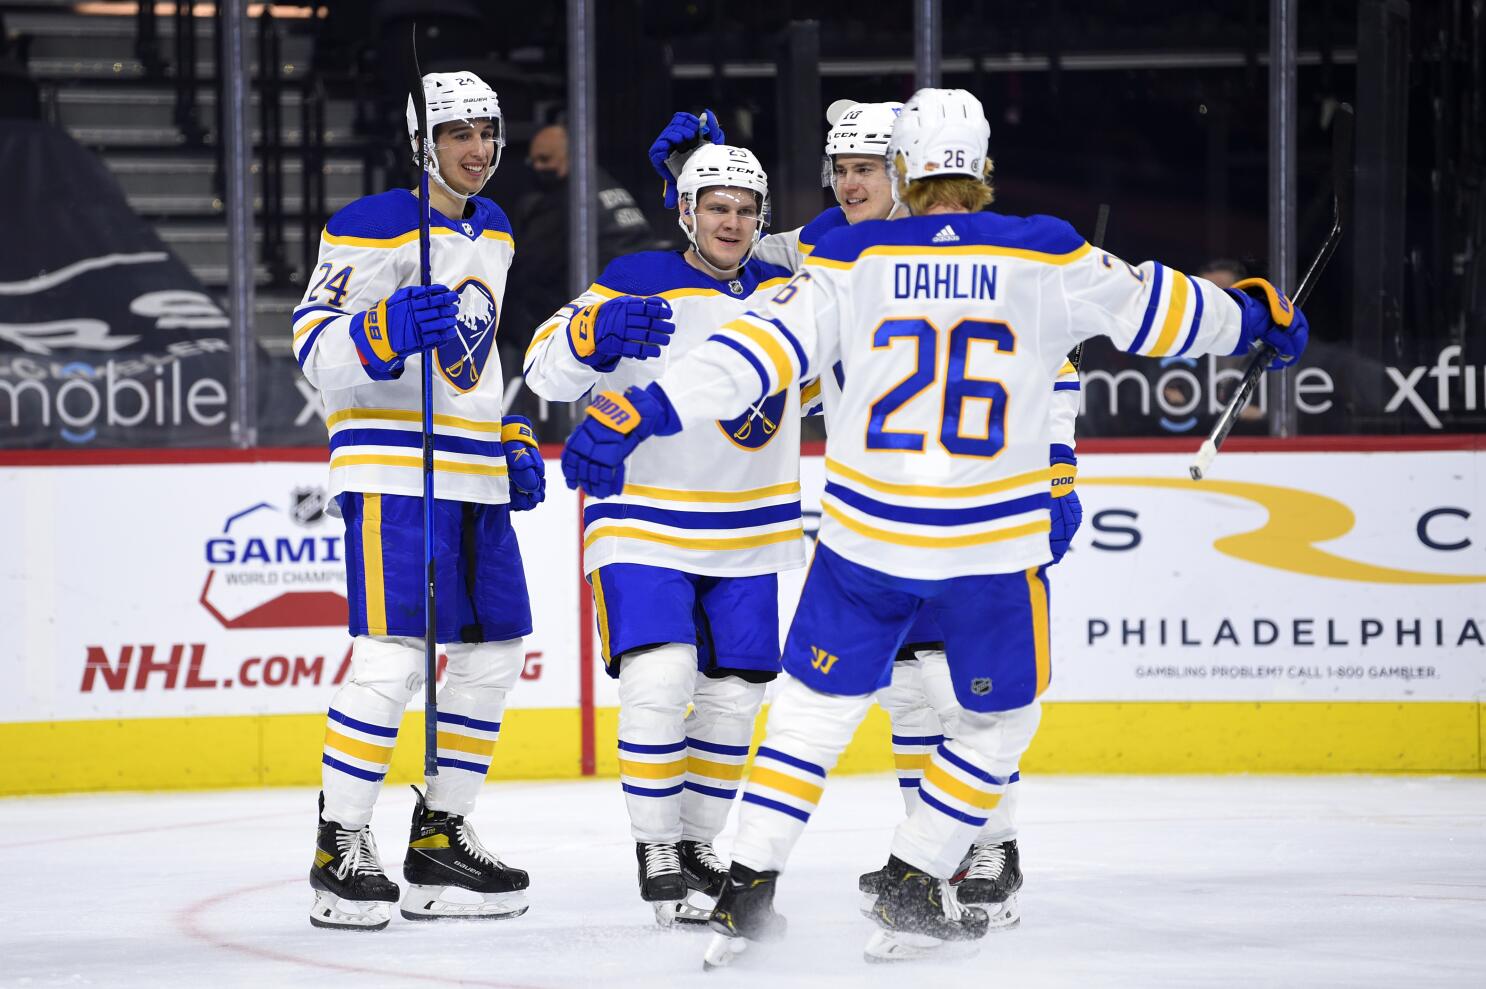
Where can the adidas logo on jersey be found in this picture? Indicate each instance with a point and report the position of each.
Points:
(946, 235)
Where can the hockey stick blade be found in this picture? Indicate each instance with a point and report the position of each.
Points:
(1341, 173)
(430, 626)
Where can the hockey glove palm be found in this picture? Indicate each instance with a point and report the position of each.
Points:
(613, 426)
(410, 320)
(1067, 511)
(1269, 317)
(525, 469)
(682, 134)
(630, 326)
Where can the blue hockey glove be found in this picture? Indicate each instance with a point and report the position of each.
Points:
(613, 426)
(1269, 317)
(1067, 512)
(525, 469)
(602, 333)
(408, 321)
(684, 132)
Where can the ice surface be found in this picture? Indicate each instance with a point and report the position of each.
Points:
(1179, 881)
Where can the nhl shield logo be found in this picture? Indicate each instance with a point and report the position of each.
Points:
(735, 287)
(980, 686)
(462, 360)
(307, 505)
(755, 428)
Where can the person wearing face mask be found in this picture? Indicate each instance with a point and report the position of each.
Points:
(360, 335)
(683, 553)
(539, 275)
(919, 700)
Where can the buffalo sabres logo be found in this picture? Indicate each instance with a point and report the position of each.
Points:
(755, 428)
(462, 360)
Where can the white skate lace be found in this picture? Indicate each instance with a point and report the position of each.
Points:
(471, 844)
(987, 862)
(358, 854)
(661, 859)
(708, 857)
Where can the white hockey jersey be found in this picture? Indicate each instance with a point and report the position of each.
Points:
(952, 331)
(821, 395)
(722, 499)
(368, 251)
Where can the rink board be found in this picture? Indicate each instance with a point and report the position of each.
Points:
(180, 624)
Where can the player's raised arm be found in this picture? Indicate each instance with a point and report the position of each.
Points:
(1152, 310)
(748, 359)
(592, 334)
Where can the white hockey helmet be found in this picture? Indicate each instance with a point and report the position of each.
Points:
(456, 96)
(857, 129)
(721, 165)
(939, 132)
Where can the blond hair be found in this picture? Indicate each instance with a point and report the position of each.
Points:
(959, 192)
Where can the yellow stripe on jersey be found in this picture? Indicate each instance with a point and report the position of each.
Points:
(408, 238)
(712, 497)
(309, 327)
(410, 415)
(1039, 477)
(1040, 644)
(810, 392)
(770, 346)
(1067, 368)
(371, 564)
(1175, 310)
(936, 542)
(958, 788)
(387, 460)
(694, 542)
(542, 334)
(963, 249)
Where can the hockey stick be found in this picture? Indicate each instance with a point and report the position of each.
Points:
(1101, 224)
(1341, 182)
(431, 624)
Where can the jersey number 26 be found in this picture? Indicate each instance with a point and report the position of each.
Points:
(959, 387)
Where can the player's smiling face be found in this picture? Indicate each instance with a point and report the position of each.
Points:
(862, 187)
(466, 150)
(725, 221)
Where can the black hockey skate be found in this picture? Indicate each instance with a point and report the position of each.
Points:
(870, 884)
(918, 914)
(444, 856)
(704, 874)
(992, 875)
(661, 881)
(352, 892)
(703, 871)
(744, 913)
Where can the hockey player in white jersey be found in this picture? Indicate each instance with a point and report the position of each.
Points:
(360, 335)
(683, 552)
(919, 700)
(952, 325)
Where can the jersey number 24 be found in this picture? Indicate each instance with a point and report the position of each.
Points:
(959, 387)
